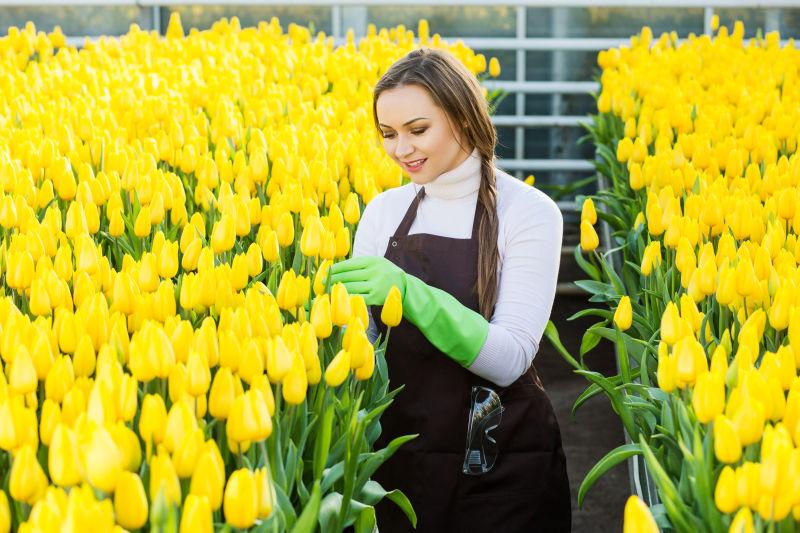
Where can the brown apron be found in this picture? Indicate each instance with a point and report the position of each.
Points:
(527, 489)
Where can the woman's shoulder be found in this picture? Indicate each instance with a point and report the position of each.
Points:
(383, 205)
(522, 202)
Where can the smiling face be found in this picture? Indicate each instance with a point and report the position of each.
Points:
(418, 134)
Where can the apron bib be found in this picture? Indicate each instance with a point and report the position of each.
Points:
(527, 489)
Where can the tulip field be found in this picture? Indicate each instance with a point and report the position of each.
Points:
(699, 288)
(174, 357)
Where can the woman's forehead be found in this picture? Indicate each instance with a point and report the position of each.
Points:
(397, 106)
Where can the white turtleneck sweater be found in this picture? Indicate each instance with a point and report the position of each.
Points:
(529, 244)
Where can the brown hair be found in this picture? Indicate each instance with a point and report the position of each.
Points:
(457, 91)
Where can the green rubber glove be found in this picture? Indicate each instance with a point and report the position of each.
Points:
(452, 328)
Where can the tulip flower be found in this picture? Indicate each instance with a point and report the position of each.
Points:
(623, 316)
(322, 321)
(494, 67)
(727, 446)
(338, 369)
(62, 461)
(589, 238)
(130, 502)
(208, 480)
(164, 478)
(28, 481)
(392, 311)
(241, 499)
(5, 513)
(196, 517)
(725, 492)
(265, 491)
(588, 211)
(708, 396)
(637, 518)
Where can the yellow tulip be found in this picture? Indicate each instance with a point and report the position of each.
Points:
(340, 305)
(321, 317)
(163, 478)
(153, 419)
(392, 311)
(208, 479)
(588, 211)
(623, 316)
(727, 446)
(708, 396)
(494, 67)
(589, 238)
(295, 383)
(103, 461)
(28, 481)
(196, 517)
(742, 521)
(352, 211)
(130, 502)
(637, 518)
(223, 236)
(62, 460)
(338, 369)
(725, 492)
(241, 499)
(5, 513)
(266, 493)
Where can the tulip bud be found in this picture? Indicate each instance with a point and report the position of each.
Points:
(221, 396)
(130, 502)
(589, 238)
(196, 517)
(338, 369)
(241, 499)
(708, 396)
(340, 305)
(725, 492)
(392, 311)
(163, 477)
(5, 513)
(637, 517)
(266, 493)
(321, 317)
(588, 212)
(28, 481)
(62, 461)
(208, 478)
(623, 316)
(727, 446)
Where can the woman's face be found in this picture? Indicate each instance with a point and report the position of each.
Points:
(418, 134)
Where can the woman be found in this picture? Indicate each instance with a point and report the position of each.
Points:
(475, 254)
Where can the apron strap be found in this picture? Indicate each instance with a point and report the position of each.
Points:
(411, 214)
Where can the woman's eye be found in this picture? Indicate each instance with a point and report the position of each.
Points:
(418, 132)
(387, 135)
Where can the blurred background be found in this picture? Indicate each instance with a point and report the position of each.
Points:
(547, 51)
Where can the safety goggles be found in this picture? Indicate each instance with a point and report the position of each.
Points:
(485, 414)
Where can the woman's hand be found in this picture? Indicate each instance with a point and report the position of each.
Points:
(370, 277)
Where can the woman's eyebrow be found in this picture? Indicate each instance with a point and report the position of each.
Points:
(407, 123)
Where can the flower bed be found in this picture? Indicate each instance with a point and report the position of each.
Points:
(172, 358)
(697, 142)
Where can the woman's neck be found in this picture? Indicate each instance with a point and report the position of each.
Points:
(462, 180)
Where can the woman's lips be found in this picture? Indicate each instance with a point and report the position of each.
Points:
(415, 168)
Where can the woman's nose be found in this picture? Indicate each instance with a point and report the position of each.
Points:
(403, 147)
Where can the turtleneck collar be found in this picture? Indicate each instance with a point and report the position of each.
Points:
(463, 180)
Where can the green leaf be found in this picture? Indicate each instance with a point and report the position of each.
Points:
(611, 459)
(596, 287)
(587, 267)
(366, 521)
(551, 333)
(329, 512)
(604, 313)
(590, 339)
(619, 406)
(323, 442)
(378, 458)
(307, 521)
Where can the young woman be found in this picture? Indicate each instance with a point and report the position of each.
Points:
(475, 253)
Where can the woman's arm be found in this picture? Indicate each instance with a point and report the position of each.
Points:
(365, 243)
(528, 278)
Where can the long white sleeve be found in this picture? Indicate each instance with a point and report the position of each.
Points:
(529, 243)
(528, 278)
